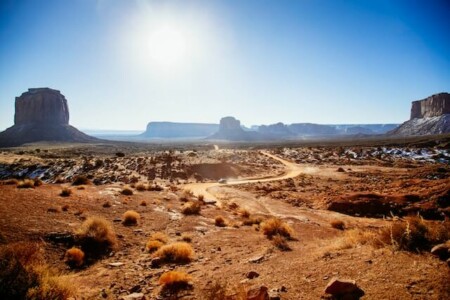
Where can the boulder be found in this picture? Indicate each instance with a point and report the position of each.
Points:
(343, 288)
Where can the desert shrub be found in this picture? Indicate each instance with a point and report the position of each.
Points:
(178, 252)
(120, 154)
(96, 236)
(127, 191)
(353, 238)
(38, 182)
(24, 274)
(191, 208)
(60, 180)
(244, 213)
(106, 204)
(80, 180)
(130, 217)
(186, 195)
(26, 184)
(143, 203)
(65, 207)
(253, 221)
(280, 242)
(65, 192)
(174, 281)
(201, 198)
(338, 224)
(11, 181)
(219, 221)
(141, 187)
(275, 226)
(415, 234)
(153, 245)
(74, 257)
(159, 236)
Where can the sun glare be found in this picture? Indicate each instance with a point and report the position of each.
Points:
(167, 46)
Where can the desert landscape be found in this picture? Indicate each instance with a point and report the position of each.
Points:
(224, 150)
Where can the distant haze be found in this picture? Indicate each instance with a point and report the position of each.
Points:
(121, 64)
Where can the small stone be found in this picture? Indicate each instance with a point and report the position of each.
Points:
(134, 296)
(442, 251)
(256, 259)
(116, 264)
(274, 295)
(156, 262)
(342, 288)
(135, 289)
(252, 274)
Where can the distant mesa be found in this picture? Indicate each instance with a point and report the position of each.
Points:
(41, 114)
(230, 129)
(428, 116)
(179, 130)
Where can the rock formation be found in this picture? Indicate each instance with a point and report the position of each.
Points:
(428, 116)
(41, 114)
(230, 129)
(179, 130)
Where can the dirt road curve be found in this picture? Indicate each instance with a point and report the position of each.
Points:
(292, 170)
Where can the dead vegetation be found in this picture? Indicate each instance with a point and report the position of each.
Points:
(275, 226)
(191, 208)
(96, 237)
(130, 218)
(178, 252)
(74, 257)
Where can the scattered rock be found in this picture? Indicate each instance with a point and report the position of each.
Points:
(252, 274)
(135, 289)
(342, 288)
(116, 264)
(442, 251)
(274, 294)
(134, 296)
(256, 259)
(155, 263)
(259, 293)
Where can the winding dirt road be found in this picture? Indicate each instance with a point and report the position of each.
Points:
(292, 170)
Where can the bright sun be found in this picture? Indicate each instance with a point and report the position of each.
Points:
(167, 46)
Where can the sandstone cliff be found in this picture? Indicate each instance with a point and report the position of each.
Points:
(428, 116)
(41, 114)
(230, 129)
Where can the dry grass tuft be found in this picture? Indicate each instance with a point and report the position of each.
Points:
(178, 252)
(186, 195)
(24, 274)
(65, 192)
(127, 191)
(280, 242)
(191, 208)
(143, 203)
(338, 224)
(26, 184)
(74, 257)
(159, 236)
(80, 180)
(219, 221)
(253, 221)
(201, 198)
(106, 204)
(153, 245)
(65, 207)
(130, 218)
(38, 182)
(11, 181)
(244, 213)
(353, 238)
(174, 281)
(275, 226)
(415, 234)
(96, 236)
(141, 187)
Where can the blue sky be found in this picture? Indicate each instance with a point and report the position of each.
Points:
(124, 63)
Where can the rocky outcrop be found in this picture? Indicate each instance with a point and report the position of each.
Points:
(277, 130)
(230, 129)
(428, 116)
(41, 105)
(433, 106)
(41, 114)
(179, 130)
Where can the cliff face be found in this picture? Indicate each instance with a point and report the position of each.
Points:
(179, 130)
(41, 114)
(428, 116)
(41, 105)
(230, 129)
(433, 106)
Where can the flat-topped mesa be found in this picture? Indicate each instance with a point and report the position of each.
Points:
(43, 106)
(433, 106)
